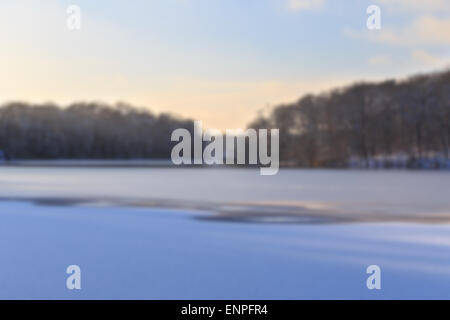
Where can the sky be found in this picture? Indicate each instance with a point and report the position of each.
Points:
(219, 61)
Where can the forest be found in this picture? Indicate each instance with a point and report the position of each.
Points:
(394, 123)
(85, 131)
(402, 123)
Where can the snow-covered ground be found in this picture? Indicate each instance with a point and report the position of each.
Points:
(159, 253)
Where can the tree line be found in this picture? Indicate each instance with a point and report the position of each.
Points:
(392, 123)
(85, 131)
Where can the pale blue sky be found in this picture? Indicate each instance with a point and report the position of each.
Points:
(219, 61)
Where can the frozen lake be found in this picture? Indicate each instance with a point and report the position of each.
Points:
(170, 233)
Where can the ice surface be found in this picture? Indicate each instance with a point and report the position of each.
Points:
(151, 253)
(424, 189)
